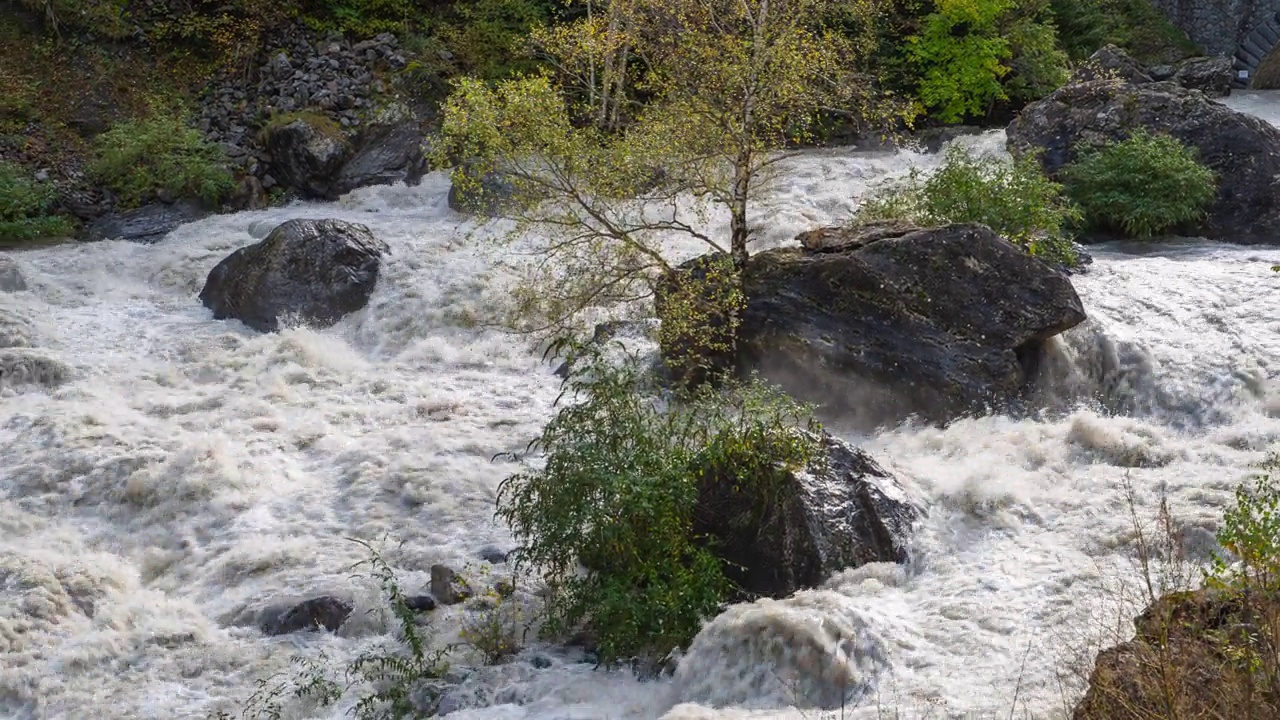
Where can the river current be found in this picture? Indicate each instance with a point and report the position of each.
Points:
(188, 472)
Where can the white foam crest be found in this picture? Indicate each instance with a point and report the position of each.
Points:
(190, 473)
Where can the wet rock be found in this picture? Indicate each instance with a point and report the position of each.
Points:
(312, 271)
(1243, 151)
(447, 586)
(307, 156)
(20, 367)
(880, 322)
(1212, 76)
(11, 279)
(384, 156)
(493, 555)
(147, 224)
(325, 612)
(1110, 62)
(842, 512)
(420, 603)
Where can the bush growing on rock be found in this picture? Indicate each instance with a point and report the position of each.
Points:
(26, 207)
(609, 519)
(159, 157)
(1013, 198)
(1141, 186)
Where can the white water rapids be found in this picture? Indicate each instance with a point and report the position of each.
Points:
(191, 471)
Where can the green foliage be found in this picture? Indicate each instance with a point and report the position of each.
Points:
(1135, 26)
(487, 36)
(1013, 198)
(26, 207)
(961, 56)
(618, 491)
(727, 83)
(107, 18)
(1038, 65)
(971, 54)
(364, 18)
(1140, 186)
(1250, 531)
(140, 159)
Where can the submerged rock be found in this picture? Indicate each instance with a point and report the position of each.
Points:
(324, 612)
(843, 511)
(312, 271)
(884, 321)
(147, 224)
(23, 367)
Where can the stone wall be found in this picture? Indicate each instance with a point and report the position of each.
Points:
(1239, 29)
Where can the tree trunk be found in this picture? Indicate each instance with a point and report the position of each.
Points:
(738, 211)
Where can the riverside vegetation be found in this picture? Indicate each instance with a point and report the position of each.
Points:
(630, 105)
(72, 69)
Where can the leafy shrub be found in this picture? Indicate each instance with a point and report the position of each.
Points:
(1251, 532)
(26, 207)
(1140, 186)
(141, 159)
(618, 494)
(1013, 198)
(960, 56)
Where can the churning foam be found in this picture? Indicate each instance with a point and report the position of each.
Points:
(165, 476)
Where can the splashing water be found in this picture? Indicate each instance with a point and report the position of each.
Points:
(165, 475)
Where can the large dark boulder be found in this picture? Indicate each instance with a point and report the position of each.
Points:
(1242, 150)
(147, 224)
(384, 155)
(842, 512)
(880, 322)
(306, 155)
(313, 271)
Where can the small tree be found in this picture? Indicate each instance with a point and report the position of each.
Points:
(728, 85)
